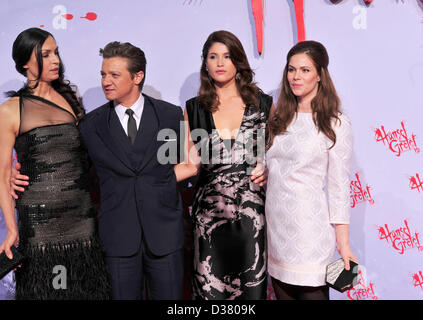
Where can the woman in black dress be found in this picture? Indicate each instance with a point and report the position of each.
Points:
(57, 220)
(225, 127)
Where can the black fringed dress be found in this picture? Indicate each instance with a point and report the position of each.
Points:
(56, 217)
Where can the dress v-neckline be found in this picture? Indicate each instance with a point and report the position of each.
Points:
(239, 129)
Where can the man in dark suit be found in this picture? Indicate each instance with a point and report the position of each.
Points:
(140, 216)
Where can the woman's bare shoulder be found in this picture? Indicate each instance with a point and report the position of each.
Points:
(9, 110)
(10, 105)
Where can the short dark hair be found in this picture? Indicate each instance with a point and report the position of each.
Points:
(135, 56)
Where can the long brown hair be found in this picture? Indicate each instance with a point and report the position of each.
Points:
(325, 105)
(247, 89)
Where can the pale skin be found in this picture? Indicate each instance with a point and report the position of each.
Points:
(304, 80)
(9, 130)
(227, 118)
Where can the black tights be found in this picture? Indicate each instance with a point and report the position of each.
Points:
(284, 291)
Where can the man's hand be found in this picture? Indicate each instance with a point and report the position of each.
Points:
(17, 180)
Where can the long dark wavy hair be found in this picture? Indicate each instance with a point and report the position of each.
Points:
(247, 89)
(325, 105)
(24, 45)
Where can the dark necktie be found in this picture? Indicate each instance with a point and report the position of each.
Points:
(132, 126)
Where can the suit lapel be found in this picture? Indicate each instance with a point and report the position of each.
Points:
(147, 134)
(112, 134)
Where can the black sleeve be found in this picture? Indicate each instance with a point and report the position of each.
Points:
(180, 131)
(189, 109)
(266, 104)
(94, 186)
(198, 118)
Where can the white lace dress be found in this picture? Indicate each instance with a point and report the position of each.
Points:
(300, 219)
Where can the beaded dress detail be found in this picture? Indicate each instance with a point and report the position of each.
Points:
(56, 216)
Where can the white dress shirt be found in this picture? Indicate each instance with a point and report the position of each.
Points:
(137, 107)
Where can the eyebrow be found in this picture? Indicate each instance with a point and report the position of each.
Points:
(291, 66)
(49, 49)
(111, 71)
(216, 53)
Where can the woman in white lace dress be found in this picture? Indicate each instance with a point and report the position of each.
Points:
(310, 147)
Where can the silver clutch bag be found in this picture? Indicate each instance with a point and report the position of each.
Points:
(340, 279)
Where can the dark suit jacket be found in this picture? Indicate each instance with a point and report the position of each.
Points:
(139, 195)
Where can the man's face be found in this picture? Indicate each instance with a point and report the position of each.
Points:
(117, 82)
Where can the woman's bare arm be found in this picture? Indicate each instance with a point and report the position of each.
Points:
(192, 161)
(9, 126)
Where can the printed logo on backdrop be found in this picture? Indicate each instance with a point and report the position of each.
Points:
(359, 193)
(397, 141)
(416, 183)
(360, 19)
(362, 291)
(418, 280)
(401, 239)
(61, 18)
